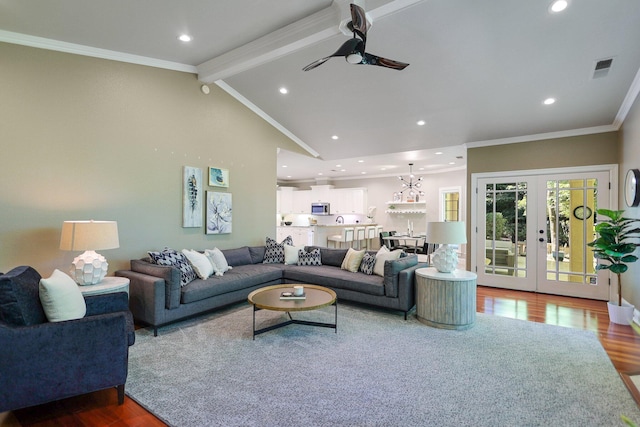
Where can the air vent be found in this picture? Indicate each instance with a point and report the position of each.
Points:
(602, 68)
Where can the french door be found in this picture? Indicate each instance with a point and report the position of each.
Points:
(531, 232)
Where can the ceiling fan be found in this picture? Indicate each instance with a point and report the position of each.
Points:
(353, 49)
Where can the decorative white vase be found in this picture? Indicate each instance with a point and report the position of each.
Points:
(621, 315)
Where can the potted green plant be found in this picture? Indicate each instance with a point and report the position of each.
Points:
(612, 245)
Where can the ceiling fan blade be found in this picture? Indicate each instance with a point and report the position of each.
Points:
(370, 59)
(316, 63)
(359, 21)
(347, 48)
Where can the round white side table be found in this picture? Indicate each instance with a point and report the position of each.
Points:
(446, 300)
(108, 285)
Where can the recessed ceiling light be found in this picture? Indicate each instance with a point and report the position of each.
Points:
(438, 153)
(184, 38)
(334, 137)
(284, 90)
(421, 122)
(319, 173)
(452, 163)
(288, 176)
(363, 173)
(343, 170)
(558, 6)
(549, 101)
(383, 169)
(284, 166)
(360, 161)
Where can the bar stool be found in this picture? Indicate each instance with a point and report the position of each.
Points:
(361, 235)
(370, 233)
(379, 230)
(339, 239)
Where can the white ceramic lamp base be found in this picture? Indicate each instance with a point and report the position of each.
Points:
(445, 258)
(89, 268)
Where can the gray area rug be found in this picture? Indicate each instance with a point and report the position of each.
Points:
(377, 370)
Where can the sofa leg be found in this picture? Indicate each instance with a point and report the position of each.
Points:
(405, 315)
(155, 331)
(120, 394)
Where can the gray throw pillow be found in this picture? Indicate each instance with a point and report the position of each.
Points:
(175, 259)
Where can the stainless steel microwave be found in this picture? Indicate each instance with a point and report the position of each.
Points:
(320, 209)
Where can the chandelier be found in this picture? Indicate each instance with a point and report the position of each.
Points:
(412, 187)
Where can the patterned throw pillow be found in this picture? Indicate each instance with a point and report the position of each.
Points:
(368, 261)
(309, 258)
(175, 259)
(274, 251)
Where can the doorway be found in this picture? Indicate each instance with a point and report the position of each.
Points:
(532, 229)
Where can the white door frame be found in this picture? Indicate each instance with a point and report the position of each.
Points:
(611, 169)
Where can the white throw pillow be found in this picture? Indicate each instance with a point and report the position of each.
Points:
(218, 261)
(61, 298)
(199, 262)
(352, 260)
(291, 254)
(382, 257)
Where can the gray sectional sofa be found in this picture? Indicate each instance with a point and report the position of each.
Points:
(157, 299)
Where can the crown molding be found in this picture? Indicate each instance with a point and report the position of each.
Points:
(542, 136)
(628, 101)
(77, 49)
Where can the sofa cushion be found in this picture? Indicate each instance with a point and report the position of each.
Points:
(19, 301)
(274, 251)
(218, 261)
(238, 256)
(200, 263)
(257, 254)
(378, 268)
(392, 270)
(241, 277)
(309, 258)
(352, 260)
(330, 256)
(176, 259)
(335, 278)
(61, 298)
(367, 264)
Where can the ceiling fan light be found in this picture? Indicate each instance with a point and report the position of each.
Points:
(354, 58)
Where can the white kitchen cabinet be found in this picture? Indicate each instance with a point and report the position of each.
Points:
(301, 202)
(348, 201)
(286, 200)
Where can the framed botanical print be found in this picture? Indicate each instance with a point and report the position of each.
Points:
(218, 177)
(219, 213)
(191, 197)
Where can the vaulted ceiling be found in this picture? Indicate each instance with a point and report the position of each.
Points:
(479, 70)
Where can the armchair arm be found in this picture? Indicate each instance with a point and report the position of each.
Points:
(52, 361)
(106, 303)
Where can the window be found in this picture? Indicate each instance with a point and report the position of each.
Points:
(450, 204)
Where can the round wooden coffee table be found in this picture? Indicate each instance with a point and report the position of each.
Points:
(268, 298)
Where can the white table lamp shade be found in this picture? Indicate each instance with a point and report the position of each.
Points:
(90, 267)
(445, 258)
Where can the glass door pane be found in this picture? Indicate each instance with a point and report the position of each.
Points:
(503, 235)
(568, 266)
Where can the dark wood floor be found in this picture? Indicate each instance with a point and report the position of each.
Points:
(620, 342)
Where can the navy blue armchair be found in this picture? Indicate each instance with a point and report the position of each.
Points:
(43, 361)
